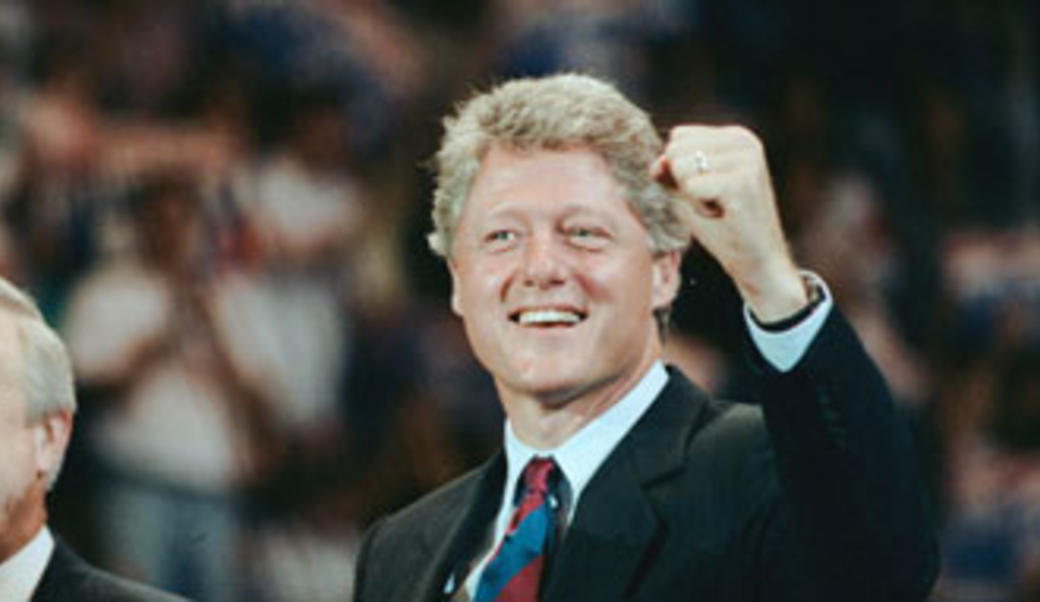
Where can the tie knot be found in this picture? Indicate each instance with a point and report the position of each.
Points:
(537, 474)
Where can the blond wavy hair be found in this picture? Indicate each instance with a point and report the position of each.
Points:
(554, 113)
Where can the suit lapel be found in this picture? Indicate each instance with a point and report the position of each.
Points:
(616, 519)
(453, 538)
(612, 527)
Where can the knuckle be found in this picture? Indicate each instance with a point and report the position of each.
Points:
(680, 132)
(745, 137)
(689, 166)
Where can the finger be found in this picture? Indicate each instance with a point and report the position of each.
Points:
(709, 208)
(661, 173)
(704, 196)
(698, 155)
(714, 138)
(719, 160)
(698, 163)
(702, 185)
(687, 215)
(659, 166)
(699, 219)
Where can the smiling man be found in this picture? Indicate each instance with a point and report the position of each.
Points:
(563, 218)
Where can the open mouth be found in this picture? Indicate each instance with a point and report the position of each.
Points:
(547, 317)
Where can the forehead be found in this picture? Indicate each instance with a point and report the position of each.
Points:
(576, 177)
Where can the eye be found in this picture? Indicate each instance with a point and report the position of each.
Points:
(497, 240)
(590, 237)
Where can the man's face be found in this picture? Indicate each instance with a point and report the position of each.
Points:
(554, 278)
(17, 438)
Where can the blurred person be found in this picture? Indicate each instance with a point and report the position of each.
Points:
(37, 404)
(305, 211)
(286, 310)
(302, 199)
(178, 434)
(628, 481)
(990, 535)
(51, 202)
(283, 310)
(987, 418)
(75, 157)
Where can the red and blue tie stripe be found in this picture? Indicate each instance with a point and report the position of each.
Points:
(515, 571)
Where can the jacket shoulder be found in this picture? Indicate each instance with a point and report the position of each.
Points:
(69, 577)
(411, 540)
(730, 460)
(732, 429)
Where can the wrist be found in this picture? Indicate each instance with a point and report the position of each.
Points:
(777, 295)
(816, 298)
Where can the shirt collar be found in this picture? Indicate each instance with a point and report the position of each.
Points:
(21, 573)
(583, 452)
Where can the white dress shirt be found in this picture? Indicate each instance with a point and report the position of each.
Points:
(582, 454)
(21, 573)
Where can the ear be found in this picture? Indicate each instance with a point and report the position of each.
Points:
(666, 278)
(52, 437)
(456, 298)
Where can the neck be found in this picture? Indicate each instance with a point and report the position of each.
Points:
(546, 421)
(24, 519)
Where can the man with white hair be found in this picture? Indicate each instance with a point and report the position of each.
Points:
(37, 402)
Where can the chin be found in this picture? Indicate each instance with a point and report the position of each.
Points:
(553, 387)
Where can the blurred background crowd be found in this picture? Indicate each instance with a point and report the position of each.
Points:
(221, 204)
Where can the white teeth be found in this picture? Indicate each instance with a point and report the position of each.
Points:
(548, 316)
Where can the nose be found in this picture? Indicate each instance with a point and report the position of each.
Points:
(543, 264)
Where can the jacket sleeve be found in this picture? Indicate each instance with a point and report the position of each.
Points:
(851, 509)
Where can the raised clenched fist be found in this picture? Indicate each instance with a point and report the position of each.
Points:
(720, 173)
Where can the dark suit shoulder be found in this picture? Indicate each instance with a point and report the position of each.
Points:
(69, 577)
(731, 427)
(421, 538)
(690, 446)
(732, 454)
(719, 437)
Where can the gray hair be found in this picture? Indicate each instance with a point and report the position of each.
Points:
(554, 113)
(557, 112)
(44, 366)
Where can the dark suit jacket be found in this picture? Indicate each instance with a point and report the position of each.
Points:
(812, 496)
(68, 578)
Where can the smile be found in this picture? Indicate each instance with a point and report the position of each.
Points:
(547, 317)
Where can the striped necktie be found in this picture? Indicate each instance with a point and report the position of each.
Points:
(515, 571)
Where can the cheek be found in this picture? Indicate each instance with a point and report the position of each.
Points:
(18, 467)
(626, 286)
(484, 285)
(479, 293)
